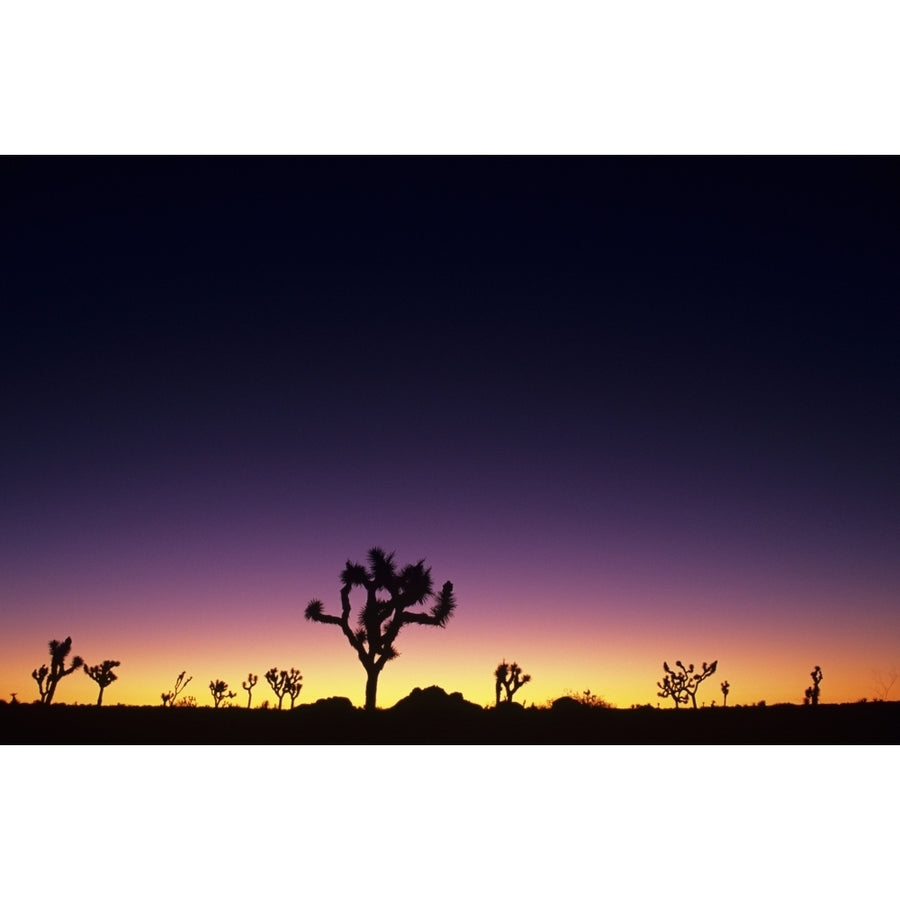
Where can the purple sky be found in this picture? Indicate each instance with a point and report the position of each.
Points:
(634, 409)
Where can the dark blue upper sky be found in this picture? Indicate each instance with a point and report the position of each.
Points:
(706, 303)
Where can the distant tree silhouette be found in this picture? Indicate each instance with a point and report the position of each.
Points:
(278, 682)
(103, 675)
(248, 686)
(390, 597)
(884, 683)
(285, 683)
(811, 695)
(682, 685)
(725, 688)
(48, 677)
(169, 697)
(220, 692)
(509, 678)
(294, 685)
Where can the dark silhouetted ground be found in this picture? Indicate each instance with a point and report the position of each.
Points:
(431, 716)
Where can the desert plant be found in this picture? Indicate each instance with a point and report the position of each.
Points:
(278, 682)
(220, 692)
(103, 675)
(725, 688)
(248, 686)
(48, 677)
(588, 698)
(390, 597)
(884, 683)
(285, 683)
(683, 685)
(169, 697)
(811, 695)
(508, 677)
(294, 685)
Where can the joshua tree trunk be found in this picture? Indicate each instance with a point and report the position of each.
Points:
(372, 673)
(100, 695)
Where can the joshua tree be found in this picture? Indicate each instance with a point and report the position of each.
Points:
(285, 682)
(293, 684)
(47, 678)
(725, 688)
(681, 685)
(248, 686)
(103, 675)
(390, 597)
(278, 682)
(509, 677)
(169, 698)
(812, 693)
(220, 692)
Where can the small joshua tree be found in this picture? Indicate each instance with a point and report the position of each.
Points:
(277, 681)
(391, 595)
(248, 686)
(48, 678)
(220, 692)
(294, 685)
(285, 683)
(169, 697)
(812, 693)
(509, 678)
(103, 675)
(683, 684)
(725, 688)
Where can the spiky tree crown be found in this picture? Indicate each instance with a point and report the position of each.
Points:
(391, 594)
(103, 674)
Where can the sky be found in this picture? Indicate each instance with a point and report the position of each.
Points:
(636, 409)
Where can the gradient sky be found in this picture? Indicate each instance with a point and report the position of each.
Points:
(634, 409)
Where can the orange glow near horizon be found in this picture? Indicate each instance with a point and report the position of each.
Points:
(620, 659)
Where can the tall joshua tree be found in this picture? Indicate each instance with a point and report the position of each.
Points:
(681, 684)
(725, 688)
(248, 686)
(103, 675)
(509, 678)
(812, 693)
(48, 677)
(391, 595)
